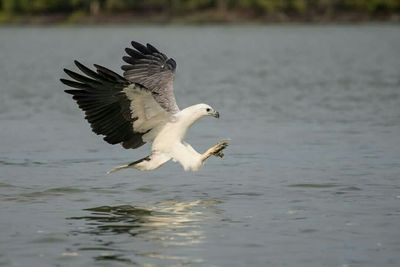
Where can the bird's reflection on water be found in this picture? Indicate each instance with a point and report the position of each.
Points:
(143, 236)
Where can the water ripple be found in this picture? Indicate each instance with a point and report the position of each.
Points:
(165, 224)
(37, 195)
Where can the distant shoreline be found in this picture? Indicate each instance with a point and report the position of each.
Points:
(197, 18)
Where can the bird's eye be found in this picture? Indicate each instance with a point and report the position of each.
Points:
(208, 110)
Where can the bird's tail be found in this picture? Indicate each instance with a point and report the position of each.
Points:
(130, 165)
(148, 163)
(118, 168)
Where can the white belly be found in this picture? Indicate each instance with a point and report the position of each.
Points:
(169, 141)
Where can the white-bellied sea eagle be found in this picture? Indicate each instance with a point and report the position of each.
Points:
(140, 107)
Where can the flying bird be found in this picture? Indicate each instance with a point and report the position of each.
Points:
(139, 107)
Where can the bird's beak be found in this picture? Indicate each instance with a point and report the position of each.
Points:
(215, 114)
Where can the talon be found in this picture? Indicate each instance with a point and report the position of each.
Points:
(216, 150)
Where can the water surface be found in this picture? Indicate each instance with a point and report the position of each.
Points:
(311, 177)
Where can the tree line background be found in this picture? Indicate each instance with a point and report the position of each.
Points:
(223, 8)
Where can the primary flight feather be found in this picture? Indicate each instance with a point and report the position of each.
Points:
(139, 107)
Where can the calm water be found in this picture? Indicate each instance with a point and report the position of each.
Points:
(312, 176)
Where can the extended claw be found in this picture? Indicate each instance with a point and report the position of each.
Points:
(220, 155)
(216, 150)
(219, 147)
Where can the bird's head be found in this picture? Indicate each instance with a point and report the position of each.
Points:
(195, 112)
(206, 110)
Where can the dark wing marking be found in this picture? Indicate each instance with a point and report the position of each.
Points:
(99, 94)
(154, 70)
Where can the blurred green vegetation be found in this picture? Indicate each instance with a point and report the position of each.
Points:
(173, 8)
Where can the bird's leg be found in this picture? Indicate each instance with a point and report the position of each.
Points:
(215, 150)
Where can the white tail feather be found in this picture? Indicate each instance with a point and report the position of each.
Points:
(118, 168)
(145, 164)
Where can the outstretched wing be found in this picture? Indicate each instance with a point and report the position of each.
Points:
(154, 70)
(122, 111)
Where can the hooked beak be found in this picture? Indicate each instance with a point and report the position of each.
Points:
(215, 114)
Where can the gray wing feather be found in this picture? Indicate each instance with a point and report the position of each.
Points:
(154, 70)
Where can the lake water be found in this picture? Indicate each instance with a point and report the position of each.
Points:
(311, 178)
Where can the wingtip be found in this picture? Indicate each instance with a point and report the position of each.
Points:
(133, 43)
(172, 63)
(128, 60)
(69, 72)
(77, 63)
(152, 48)
(68, 91)
(141, 48)
(98, 67)
(136, 44)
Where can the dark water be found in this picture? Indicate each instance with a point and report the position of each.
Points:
(312, 176)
